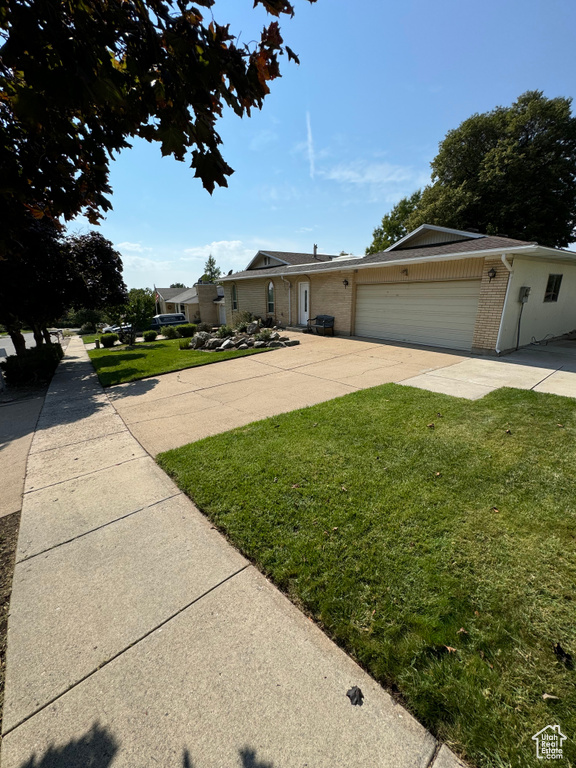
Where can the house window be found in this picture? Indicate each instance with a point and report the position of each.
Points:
(271, 297)
(266, 261)
(183, 308)
(553, 287)
(234, 298)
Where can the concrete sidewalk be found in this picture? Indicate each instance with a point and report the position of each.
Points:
(138, 636)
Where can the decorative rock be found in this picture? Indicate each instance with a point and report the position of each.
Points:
(213, 344)
(275, 344)
(228, 344)
(250, 342)
(259, 344)
(252, 328)
(243, 346)
(275, 336)
(291, 343)
(199, 340)
(284, 338)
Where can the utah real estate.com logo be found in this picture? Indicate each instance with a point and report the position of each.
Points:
(549, 743)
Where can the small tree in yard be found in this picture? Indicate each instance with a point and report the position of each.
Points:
(137, 312)
(212, 272)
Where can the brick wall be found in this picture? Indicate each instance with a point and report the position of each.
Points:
(207, 292)
(490, 306)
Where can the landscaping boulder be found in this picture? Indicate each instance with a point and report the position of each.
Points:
(253, 328)
(291, 343)
(228, 344)
(276, 344)
(275, 336)
(213, 344)
(199, 340)
(259, 344)
(243, 346)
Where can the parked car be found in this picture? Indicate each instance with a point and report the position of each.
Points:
(116, 328)
(161, 321)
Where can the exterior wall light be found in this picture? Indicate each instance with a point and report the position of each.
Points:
(345, 283)
(491, 274)
(404, 272)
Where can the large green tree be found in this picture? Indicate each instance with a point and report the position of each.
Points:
(79, 78)
(393, 225)
(52, 274)
(510, 171)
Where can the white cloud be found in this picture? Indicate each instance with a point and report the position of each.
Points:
(229, 254)
(142, 264)
(310, 145)
(132, 247)
(381, 180)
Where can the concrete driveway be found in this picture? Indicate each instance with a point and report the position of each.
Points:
(177, 408)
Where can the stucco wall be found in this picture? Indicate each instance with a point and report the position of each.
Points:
(539, 318)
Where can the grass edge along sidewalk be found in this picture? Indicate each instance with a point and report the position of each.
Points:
(119, 365)
(431, 537)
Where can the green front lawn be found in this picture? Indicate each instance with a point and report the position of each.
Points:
(90, 338)
(120, 364)
(433, 538)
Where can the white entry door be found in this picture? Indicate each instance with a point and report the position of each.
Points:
(303, 303)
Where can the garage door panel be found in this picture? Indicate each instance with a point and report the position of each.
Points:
(438, 314)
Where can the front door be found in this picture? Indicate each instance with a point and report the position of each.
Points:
(303, 303)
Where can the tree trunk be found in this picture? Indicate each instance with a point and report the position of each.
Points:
(37, 331)
(47, 337)
(17, 339)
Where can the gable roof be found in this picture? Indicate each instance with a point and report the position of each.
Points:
(168, 294)
(449, 235)
(290, 258)
(184, 297)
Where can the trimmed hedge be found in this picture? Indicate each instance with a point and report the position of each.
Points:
(108, 339)
(149, 335)
(35, 366)
(186, 331)
(170, 332)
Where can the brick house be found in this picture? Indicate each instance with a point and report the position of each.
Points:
(436, 286)
(204, 302)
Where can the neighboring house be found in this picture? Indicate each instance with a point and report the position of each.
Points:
(436, 286)
(204, 302)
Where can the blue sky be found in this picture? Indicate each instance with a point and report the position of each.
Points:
(343, 136)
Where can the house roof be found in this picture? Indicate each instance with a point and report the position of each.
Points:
(290, 258)
(475, 246)
(168, 294)
(185, 297)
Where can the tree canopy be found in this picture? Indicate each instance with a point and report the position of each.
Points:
(510, 171)
(79, 79)
(212, 272)
(53, 274)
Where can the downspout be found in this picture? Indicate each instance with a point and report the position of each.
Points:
(289, 299)
(510, 270)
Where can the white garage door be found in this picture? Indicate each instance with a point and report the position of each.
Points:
(439, 314)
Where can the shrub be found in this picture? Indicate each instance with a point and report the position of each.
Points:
(264, 335)
(205, 327)
(170, 332)
(184, 343)
(88, 328)
(35, 366)
(224, 331)
(186, 331)
(108, 339)
(149, 335)
(241, 320)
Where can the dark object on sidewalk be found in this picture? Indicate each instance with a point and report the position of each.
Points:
(326, 322)
(564, 656)
(355, 695)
